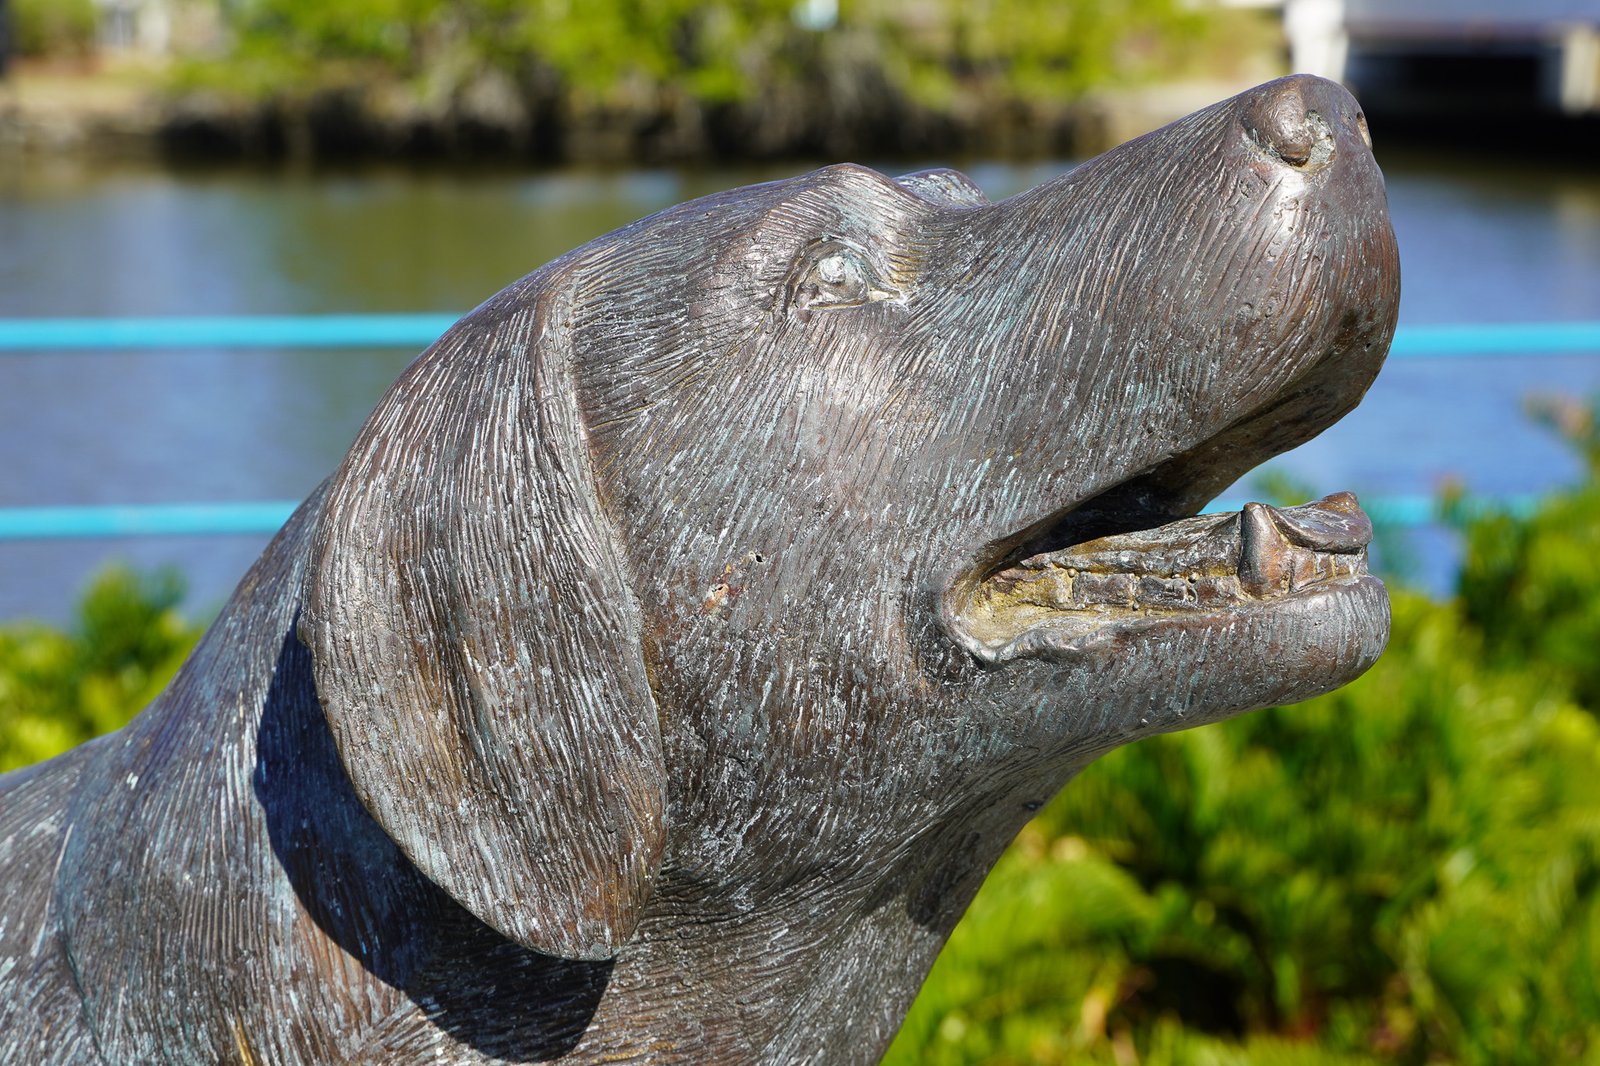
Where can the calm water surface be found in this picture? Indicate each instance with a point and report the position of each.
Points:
(1481, 241)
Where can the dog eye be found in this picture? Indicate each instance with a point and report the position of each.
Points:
(841, 273)
(836, 275)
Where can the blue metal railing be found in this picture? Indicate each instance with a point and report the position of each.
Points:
(416, 330)
(1500, 338)
(241, 331)
(266, 516)
(377, 331)
(143, 520)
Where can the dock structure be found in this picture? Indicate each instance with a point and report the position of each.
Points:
(1432, 55)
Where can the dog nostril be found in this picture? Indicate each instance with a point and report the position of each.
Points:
(1284, 127)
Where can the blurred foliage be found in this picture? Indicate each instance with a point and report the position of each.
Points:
(1404, 871)
(1528, 582)
(740, 77)
(55, 28)
(58, 689)
(606, 50)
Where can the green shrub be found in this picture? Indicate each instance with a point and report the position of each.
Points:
(1404, 869)
(627, 55)
(1529, 582)
(58, 689)
(53, 28)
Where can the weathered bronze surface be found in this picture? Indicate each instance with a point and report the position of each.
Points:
(689, 629)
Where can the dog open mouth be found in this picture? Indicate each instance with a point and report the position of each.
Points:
(1208, 565)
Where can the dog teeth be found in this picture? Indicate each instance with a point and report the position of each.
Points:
(1285, 550)
(1205, 563)
(1266, 561)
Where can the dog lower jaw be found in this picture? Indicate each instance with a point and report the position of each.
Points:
(1192, 573)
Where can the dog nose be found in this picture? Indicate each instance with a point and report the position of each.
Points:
(1304, 121)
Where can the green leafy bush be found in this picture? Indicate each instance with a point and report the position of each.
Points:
(731, 50)
(1404, 869)
(746, 78)
(58, 689)
(53, 28)
(1529, 582)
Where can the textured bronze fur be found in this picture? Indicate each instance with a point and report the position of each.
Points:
(619, 699)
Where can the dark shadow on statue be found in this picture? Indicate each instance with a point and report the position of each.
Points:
(486, 991)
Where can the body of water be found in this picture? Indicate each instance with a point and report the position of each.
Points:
(1481, 241)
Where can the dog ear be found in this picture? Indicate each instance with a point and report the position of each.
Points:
(475, 644)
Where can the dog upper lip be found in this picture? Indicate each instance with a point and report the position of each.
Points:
(1205, 565)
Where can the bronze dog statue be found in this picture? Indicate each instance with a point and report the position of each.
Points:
(690, 628)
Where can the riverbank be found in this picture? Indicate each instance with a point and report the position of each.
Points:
(52, 111)
(116, 114)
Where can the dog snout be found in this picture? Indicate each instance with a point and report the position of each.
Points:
(1304, 122)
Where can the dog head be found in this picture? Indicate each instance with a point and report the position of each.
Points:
(767, 530)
